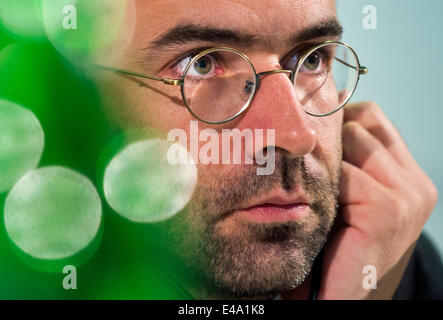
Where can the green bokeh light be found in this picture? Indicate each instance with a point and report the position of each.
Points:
(21, 143)
(86, 31)
(142, 186)
(22, 19)
(119, 263)
(52, 213)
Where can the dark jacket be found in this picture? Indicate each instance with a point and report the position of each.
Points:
(423, 278)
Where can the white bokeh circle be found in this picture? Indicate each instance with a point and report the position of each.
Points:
(101, 28)
(52, 213)
(22, 18)
(141, 184)
(21, 143)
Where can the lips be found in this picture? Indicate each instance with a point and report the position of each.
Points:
(276, 209)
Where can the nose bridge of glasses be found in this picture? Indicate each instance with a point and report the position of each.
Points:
(258, 77)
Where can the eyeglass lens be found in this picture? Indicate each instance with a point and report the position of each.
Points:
(219, 85)
(326, 78)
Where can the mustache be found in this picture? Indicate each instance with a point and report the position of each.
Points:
(232, 191)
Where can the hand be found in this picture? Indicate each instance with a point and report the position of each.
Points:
(385, 200)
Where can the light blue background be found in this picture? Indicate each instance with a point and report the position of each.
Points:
(404, 56)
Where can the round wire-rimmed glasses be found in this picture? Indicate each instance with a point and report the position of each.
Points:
(219, 84)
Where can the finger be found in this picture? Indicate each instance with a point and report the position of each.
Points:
(364, 151)
(372, 118)
(357, 189)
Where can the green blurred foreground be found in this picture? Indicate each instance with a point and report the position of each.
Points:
(55, 146)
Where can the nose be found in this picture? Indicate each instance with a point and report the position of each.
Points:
(275, 106)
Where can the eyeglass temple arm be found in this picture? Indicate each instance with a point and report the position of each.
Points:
(362, 69)
(172, 82)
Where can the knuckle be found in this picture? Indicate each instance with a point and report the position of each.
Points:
(351, 127)
(364, 110)
(417, 203)
(429, 195)
(421, 201)
(432, 193)
(373, 108)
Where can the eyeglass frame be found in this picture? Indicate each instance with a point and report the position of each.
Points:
(257, 76)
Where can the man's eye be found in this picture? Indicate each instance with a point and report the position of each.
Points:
(203, 68)
(203, 65)
(313, 61)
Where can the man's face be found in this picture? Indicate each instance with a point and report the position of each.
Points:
(250, 235)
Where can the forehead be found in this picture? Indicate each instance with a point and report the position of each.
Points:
(268, 18)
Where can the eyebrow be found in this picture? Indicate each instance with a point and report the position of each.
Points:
(331, 28)
(186, 33)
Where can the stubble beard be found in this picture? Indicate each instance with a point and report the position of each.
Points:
(254, 260)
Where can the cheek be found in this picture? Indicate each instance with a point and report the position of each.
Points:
(328, 152)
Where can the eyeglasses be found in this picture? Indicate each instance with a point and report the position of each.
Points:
(219, 84)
